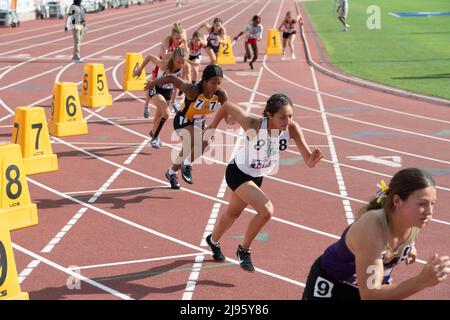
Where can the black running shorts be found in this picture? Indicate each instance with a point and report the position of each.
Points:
(235, 177)
(320, 286)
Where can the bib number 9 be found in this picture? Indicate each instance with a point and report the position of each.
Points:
(3, 264)
(323, 288)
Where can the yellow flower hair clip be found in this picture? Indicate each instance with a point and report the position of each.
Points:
(381, 194)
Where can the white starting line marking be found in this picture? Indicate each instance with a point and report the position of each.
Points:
(112, 264)
(51, 245)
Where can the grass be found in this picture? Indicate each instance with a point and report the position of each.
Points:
(408, 53)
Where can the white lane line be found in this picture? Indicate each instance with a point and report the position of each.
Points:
(51, 245)
(190, 286)
(209, 159)
(105, 144)
(121, 263)
(53, 242)
(358, 102)
(340, 163)
(334, 157)
(6, 107)
(415, 155)
(94, 30)
(142, 35)
(188, 190)
(4, 68)
(58, 26)
(30, 78)
(154, 232)
(4, 118)
(116, 81)
(137, 151)
(96, 40)
(56, 239)
(113, 190)
(293, 224)
(70, 272)
(109, 17)
(342, 138)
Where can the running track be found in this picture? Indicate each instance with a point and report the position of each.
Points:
(109, 211)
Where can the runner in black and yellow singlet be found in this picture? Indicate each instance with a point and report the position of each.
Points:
(200, 99)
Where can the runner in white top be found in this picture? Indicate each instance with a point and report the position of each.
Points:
(253, 33)
(260, 156)
(266, 137)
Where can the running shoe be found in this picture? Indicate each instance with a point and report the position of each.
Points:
(215, 248)
(173, 180)
(245, 261)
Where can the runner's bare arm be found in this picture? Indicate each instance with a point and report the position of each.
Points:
(187, 71)
(311, 158)
(366, 241)
(237, 37)
(150, 58)
(204, 25)
(189, 89)
(164, 47)
(237, 114)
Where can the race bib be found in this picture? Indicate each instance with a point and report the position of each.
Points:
(323, 288)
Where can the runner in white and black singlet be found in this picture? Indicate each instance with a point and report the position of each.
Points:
(266, 138)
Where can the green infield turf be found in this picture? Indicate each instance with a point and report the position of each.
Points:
(412, 53)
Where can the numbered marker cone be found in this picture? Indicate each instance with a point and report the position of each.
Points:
(94, 88)
(9, 282)
(273, 42)
(31, 133)
(67, 115)
(132, 63)
(225, 55)
(15, 204)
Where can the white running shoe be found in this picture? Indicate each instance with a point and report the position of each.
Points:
(156, 143)
(146, 113)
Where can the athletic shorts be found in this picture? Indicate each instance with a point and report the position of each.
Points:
(180, 122)
(343, 11)
(286, 35)
(320, 286)
(214, 48)
(166, 93)
(192, 58)
(251, 41)
(235, 177)
(155, 71)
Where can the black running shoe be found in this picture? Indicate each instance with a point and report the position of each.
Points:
(173, 180)
(215, 248)
(186, 173)
(245, 261)
(251, 65)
